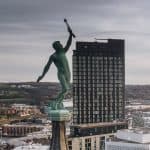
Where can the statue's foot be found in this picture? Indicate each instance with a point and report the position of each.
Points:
(59, 105)
(55, 105)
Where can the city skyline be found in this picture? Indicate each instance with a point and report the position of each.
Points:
(28, 28)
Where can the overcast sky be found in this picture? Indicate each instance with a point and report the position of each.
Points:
(29, 27)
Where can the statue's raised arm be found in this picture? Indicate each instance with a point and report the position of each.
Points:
(71, 34)
(68, 44)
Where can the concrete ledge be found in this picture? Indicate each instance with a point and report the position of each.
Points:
(59, 115)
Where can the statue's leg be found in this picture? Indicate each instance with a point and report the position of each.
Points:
(65, 88)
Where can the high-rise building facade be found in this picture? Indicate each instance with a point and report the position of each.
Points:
(98, 81)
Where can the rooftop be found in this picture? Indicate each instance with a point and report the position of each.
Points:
(138, 135)
(138, 130)
(33, 146)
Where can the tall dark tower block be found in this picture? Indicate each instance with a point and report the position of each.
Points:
(98, 81)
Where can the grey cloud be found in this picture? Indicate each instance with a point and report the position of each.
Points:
(28, 27)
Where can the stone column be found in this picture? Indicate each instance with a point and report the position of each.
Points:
(58, 141)
(59, 119)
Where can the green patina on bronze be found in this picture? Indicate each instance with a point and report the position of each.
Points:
(60, 60)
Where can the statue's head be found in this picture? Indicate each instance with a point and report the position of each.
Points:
(57, 45)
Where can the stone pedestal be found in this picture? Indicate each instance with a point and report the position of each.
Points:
(59, 118)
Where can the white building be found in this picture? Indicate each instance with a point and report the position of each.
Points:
(33, 147)
(146, 118)
(134, 139)
(23, 106)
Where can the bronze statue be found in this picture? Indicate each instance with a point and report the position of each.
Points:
(60, 60)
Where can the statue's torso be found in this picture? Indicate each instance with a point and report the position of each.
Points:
(61, 62)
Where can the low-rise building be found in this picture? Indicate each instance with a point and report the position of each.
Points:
(93, 142)
(25, 110)
(92, 136)
(19, 130)
(33, 146)
(146, 119)
(133, 139)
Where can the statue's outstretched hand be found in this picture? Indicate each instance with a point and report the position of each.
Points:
(39, 78)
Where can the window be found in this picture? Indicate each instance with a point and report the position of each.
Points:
(102, 143)
(80, 144)
(88, 144)
(95, 143)
(69, 145)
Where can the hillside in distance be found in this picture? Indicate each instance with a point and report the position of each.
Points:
(29, 92)
(139, 92)
(35, 93)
